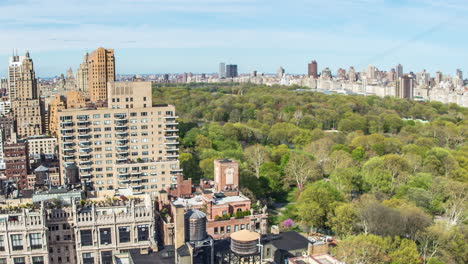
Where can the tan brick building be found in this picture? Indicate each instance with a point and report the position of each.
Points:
(101, 70)
(129, 144)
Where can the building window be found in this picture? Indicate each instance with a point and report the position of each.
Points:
(228, 229)
(2, 244)
(36, 240)
(221, 230)
(19, 260)
(268, 252)
(105, 236)
(17, 242)
(124, 234)
(106, 257)
(143, 233)
(216, 230)
(236, 228)
(86, 237)
(3, 261)
(38, 260)
(88, 258)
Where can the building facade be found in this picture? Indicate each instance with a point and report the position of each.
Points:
(79, 233)
(16, 163)
(312, 70)
(129, 144)
(101, 70)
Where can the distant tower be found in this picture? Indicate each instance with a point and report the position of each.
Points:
(231, 71)
(405, 87)
(438, 77)
(82, 78)
(352, 77)
(222, 70)
(399, 71)
(281, 72)
(312, 70)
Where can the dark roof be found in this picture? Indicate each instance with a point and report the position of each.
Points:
(163, 256)
(289, 240)
(183, 251)
(28, 193)
(224, 160)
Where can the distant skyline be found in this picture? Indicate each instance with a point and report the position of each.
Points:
(169, 36)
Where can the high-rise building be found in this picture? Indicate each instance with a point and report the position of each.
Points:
(82, 78)
(352, 77)
(222, 70)
(399, 71)
(312, 70)
(326, 74)
(22, 83)
(438, 77)
(231, 71)
(101, 70)
(281, 72)
(23, 93)
(405, 87)
(128, 145)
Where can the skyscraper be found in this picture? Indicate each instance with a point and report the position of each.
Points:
(405, 87)
(280, 72)
(222, 70)
(22, 83)
(101, 70)
(399, 71)
(231, 71)
(23, 93)
(312, 69)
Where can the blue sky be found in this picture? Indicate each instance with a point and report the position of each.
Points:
(159, 36)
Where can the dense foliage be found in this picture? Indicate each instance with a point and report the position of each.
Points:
(387, 176)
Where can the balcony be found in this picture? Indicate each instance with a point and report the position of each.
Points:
(84, 137)
(176, 171)
(168, 156)
(171, 117)
(83, 123)
(120, 122)
(67, 131)
(171, 135)
(137, 186)
(83, 131)
(121, 142)
(172, 142)
(68, 144)
(85, 150)
(84, 143)
(121, 134)
(124, 181)
(122, 161)
(124, 175)
(86, 176)
(85, 156)
(120, 116)
(86, 163)
(121, 148)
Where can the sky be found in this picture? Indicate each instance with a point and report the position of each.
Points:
(175, 36)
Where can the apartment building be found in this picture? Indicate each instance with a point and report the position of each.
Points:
(42, 146)
(29, 118)
(16, 163)
(80, 233)
(128, 145)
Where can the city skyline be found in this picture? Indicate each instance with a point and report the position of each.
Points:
(183, 36)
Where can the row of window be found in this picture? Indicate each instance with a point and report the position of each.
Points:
(22, 260)
(119, 115)
(35, 241)
(227, 229)
(105, 237)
